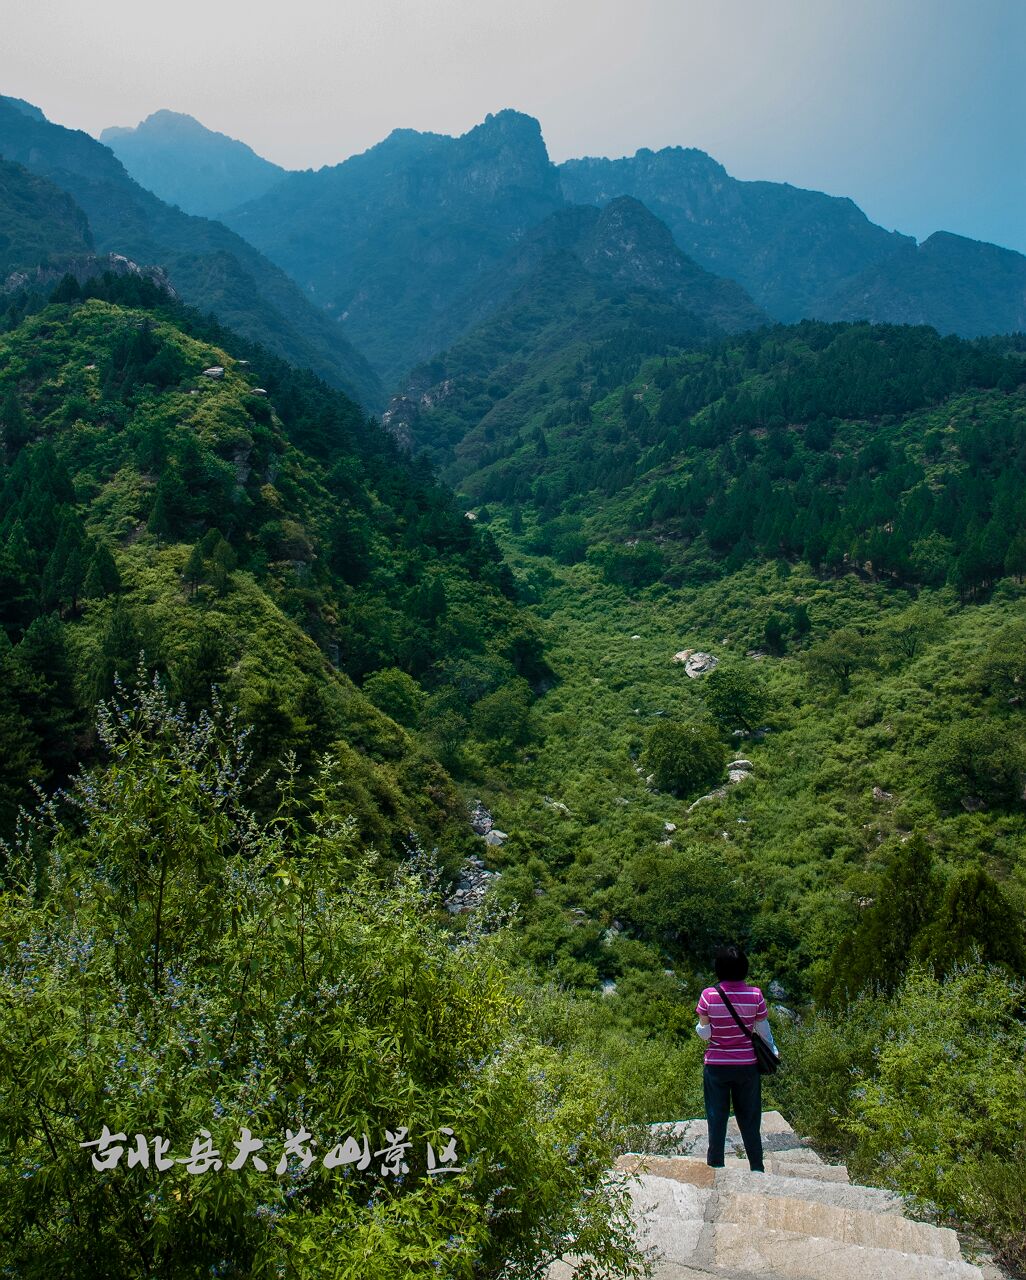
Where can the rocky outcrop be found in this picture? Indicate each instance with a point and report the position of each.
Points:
(696, 663)
(86, 267)
(474, 882)
(737, 771)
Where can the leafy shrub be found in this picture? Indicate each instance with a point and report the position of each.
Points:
(976, 763)
(397, 694)
(172, 966)
(684, 757)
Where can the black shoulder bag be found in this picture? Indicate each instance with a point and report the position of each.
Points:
(765, 1059)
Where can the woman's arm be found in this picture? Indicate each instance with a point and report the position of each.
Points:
(763, 1028)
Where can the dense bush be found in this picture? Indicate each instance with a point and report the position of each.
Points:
(924, 1094)
(172, 967)
(684, 757)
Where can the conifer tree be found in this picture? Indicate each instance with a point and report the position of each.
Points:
(974, 917)
(159, 524)
(13, 423)
(194, 569)
(876, 953)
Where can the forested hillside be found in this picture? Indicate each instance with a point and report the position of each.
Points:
(38, 221)
(805, 255)
(212, 268)
(263, 538)
(582, 278)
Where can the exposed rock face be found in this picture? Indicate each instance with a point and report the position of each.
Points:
(84, 268)
(473, 884)
(696, 663)
(737, 771)
(480, 819)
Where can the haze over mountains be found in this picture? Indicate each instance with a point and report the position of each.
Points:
(395, 241)
(202, 172)
(211, 267)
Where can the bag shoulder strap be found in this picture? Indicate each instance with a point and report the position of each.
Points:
(733, 1012)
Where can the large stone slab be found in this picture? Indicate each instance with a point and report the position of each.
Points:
(785, 1167)
(838, 1193)
(678, 1168)
(791, 1255)
(850, 1226)
(691, 1137)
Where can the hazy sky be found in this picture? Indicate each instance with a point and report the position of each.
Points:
(914, 108)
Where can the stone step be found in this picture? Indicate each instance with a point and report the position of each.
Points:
(691, 1137)
(792, 1184)
(791, 1255)
(850, 1226)
(786, 1167)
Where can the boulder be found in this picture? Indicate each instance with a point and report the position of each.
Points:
(258, 391)
(215, 371)
(495, 837)
(696, 663)
(880, 795)
(669, 827)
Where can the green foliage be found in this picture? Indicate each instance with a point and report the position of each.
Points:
(165, 955)
(976, 763)
(840, 655)
(974, 919)
(924, 1093)
(735, 697)
(876, 953)
(397, 694)
(684, 757)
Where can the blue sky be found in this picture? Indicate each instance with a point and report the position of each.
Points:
(914, 108)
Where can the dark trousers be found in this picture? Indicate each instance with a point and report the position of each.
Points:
(740, 1087)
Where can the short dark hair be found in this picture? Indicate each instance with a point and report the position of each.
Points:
(731, 964)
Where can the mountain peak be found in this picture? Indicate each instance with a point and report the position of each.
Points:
(182, 161)
(26, 108)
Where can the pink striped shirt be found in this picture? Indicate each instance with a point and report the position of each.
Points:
(728, 1045)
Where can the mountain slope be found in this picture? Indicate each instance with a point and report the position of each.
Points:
(805, 254)
(201, 171)
(209, 265)
(390, 240)
(37, 221)
(957, 285)
(270, 540)
(583, 277)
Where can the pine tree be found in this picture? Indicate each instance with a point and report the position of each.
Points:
(102, 577)
(974, 917)
(195, 568)
(13, 423)
(876, 954)
(159, 524)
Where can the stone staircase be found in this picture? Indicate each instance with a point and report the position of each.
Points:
(800, 1220)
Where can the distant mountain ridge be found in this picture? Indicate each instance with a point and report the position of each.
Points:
(184, 163)
(211, 267)
(802, 253)
(390, 240)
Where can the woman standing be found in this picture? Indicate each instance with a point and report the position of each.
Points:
(731, 1077)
